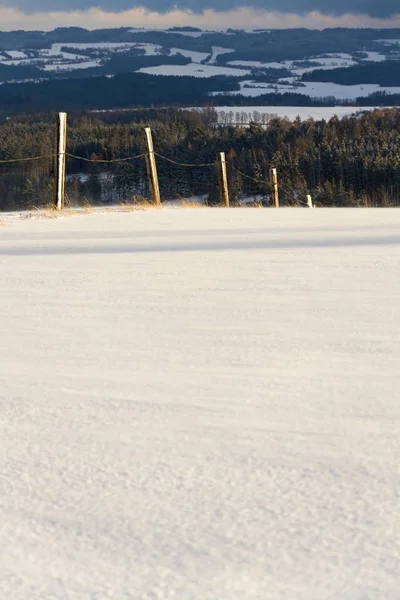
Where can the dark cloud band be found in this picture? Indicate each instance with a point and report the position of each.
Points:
(373, 8)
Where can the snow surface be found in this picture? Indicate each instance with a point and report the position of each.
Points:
(217, 51)
(96, 45)
(389, 42)
(314, 89)
(56, 52)
(196, 34)
(375, 56)
(327, 63)
(318, 89)
(291, 112)
(54, 59)
(199, 57)
(255, 63)
(88, 64)
(196, 57)
(16, 54)
(150, 49)
(14, 62)
(200, 405)
(193, 70)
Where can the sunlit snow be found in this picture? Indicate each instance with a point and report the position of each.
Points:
(200, 405)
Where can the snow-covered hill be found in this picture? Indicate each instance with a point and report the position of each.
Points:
(208, 54)
(200, 404)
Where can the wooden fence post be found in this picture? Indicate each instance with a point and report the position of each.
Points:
(275, 190)
(223, 180)
(60, 160)
(152, 167)
(309, 201)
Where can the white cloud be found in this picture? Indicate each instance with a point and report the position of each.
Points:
(94, 18)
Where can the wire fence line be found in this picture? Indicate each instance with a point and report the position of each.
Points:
(105, 161)
(217, 184)
(174, 162)
(245, 175)
(26, 159)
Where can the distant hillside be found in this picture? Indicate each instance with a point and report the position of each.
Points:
(257, 64)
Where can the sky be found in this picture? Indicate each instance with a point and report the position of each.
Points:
(48, 14)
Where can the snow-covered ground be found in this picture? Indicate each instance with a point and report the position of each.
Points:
(16, 54)
(150, 49)
(317, 89)
(314, 89)
(96, 46)
(56, 52)
(328, 62)
(200, 404)
(86, 64)
(55, 59)
(196, 57)
(196, 34)
(194, 70)
(375, 56)
(291, 112)
(390, 42)
(218, 51)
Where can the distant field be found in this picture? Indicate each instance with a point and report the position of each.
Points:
(291, 112)
(200, 404)
(252, 63)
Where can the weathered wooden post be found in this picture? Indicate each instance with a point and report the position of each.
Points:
(152, 167)
(275, 189)
(223, 180)
(60, 160)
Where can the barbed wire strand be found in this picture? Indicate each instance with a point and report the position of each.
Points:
(249, 176)
(174, 162)
(281, 189)
(129, 158)
(29, 159)
(51, 156)
(298, 201)
(101, 160)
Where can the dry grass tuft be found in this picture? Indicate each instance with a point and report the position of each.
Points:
(138, 203)
(3, 223)
(189, 203)
(48, 211)
(86, 207)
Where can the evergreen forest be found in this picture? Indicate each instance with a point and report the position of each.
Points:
(354, 161)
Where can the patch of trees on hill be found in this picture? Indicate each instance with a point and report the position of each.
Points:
(113, 65)
(132, 90)
(382, 73)
(285, 44)
(16, 73)
(123, 90)
(350, 162)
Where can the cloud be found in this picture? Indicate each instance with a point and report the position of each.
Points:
(54, 15)
(373, 8)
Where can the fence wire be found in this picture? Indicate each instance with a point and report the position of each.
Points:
(101, 160)
(26, 159)
(95, 180)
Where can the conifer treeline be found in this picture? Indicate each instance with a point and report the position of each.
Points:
(350, 162)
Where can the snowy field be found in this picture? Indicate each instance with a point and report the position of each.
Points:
(291, 112)
(200, 405)
(208, 63)
(329, 61)
(314, 89)
(194, 70)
